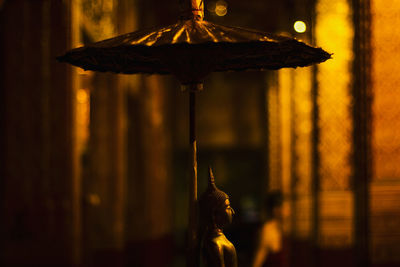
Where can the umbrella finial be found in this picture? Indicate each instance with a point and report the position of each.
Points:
(211, 179)
(198, 9)
(192, 9)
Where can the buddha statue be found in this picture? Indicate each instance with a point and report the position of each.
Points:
(215, 214)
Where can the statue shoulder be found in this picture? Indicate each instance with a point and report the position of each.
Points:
(214, 244)
(214, 253)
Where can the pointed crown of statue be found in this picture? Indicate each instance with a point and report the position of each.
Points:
(212, 198)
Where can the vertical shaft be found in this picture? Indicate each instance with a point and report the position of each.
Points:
(192, 9)
(192, 228)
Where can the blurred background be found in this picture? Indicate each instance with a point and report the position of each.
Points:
(94, 166)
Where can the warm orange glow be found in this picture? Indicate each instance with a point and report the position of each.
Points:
(94, 199)
(98, 18)
(386, 80)
(274, 148)
(302, 129)
(295, 110)
(78, 146)
(82, 118)
(334, 32)
(385, 187)
(82, 96)
(286, 142)
(336, 219)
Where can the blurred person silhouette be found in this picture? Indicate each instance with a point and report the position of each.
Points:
(268, 252)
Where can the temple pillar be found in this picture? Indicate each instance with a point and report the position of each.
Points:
(39, 191)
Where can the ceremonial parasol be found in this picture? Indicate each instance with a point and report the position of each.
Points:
(190, 49)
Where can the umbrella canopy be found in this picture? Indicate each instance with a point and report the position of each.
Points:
(190, 49)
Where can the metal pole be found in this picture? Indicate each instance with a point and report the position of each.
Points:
(192, 256)
(192, 227)
(192, 9)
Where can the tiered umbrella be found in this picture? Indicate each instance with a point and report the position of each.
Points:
(190, 49)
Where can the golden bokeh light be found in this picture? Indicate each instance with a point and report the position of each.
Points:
(299, 26)
(82, 96)
(221, 8)
(82, 116)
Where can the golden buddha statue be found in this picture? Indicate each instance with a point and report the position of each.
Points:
(215, 214)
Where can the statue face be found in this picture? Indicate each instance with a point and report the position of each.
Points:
(224, 214)
(229, 212)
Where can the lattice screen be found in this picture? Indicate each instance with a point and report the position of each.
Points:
(334, 32)
(302, 131)
(385, 187)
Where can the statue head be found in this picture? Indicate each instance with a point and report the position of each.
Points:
(215, 209)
